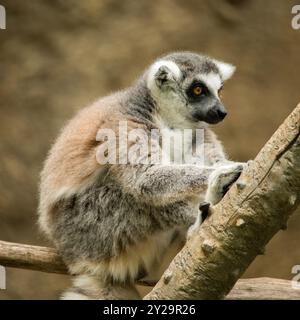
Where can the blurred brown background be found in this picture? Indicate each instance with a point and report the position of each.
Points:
(57, 56)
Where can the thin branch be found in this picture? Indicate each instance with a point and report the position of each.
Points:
(31, 257)
(263, 289)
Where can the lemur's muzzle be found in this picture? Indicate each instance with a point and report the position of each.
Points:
(216, 114)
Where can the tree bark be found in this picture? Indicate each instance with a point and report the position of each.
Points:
(31, 257)
(263, 289)
(255, 208)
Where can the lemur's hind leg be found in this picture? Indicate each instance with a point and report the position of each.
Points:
(87, 287)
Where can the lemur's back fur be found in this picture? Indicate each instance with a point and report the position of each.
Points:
(113, 223)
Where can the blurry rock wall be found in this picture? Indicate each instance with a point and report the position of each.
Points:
(57, 56)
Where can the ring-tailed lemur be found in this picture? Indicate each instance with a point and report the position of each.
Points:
(114, 223)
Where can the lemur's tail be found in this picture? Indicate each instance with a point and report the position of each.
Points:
(87, 287)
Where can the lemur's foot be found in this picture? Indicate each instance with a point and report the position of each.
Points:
(204, 209)
(220, 181)
(204, 212)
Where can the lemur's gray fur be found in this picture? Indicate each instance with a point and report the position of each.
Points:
(113, 224)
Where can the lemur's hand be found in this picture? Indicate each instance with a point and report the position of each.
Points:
(219, 183)
(221, 179)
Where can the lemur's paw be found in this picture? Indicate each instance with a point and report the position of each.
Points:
(205, 211)
(220, 181)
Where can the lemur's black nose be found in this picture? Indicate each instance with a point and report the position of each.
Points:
(221, 113)
(216, 114)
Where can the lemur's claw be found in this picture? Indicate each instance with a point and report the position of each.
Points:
(204, 208)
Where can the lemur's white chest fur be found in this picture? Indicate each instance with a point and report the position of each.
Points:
(180, 145)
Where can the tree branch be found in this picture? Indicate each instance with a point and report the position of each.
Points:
(255, 208)
(24, 256)
(263, 289)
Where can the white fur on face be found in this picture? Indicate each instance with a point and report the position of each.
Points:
(170, 104)
(212, 81)
(226, 69)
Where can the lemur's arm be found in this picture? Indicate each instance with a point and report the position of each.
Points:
(214, 153)
(163, 184)
(225, 171)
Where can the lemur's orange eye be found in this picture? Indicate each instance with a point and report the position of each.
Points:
(197, 91)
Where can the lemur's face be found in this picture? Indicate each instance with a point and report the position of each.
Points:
(187, 88)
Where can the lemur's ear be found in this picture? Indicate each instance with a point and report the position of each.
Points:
(163, 73)
(162, 76)
(226, 69)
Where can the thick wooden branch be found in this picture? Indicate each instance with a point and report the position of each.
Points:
(256, 207)
(47, 260)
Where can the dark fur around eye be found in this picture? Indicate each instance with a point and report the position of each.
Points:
(190, 91)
